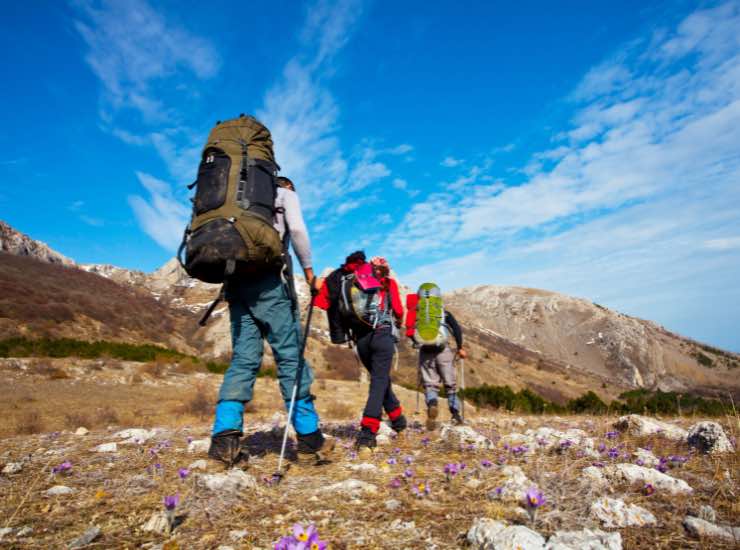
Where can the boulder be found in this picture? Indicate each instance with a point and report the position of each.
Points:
(641, 426)
(709, 437)
(615, 513)
(464, 435)
(59, 490)
(489, 534)
(585, 539)
(231, 482)
(632, 473)
(704, 529)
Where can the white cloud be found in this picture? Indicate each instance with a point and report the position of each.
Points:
(161, 215)
(450, 162)
(400, 183)
(724, 243)
(347, 206)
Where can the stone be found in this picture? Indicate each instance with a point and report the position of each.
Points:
(237, 535)
(5, 531)
(13, 468)
(382, 440)
(157, 523)
(351, 487)
(594, 477)
(586, 539)
(86, 538)
(398, 525)
(198, 465)
(24, 532)
(392, 504)
(363, 467)
(464, 435)
(707, 513)
(489, 534)
(106, 448)
(704, 529)
(646, 457)
(709, 437)
(642, 426)
(632, 473)
(135, 436)
(199, 446)
(224, 547)
(514, 486)
(233, 481)
(59, 490)
(615, 513)
(82, 431)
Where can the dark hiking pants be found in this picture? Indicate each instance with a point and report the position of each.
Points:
(376, 349)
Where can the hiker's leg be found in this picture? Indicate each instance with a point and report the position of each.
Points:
(446, 367)
(273, 309)
(238, 382)
(430, 379)
(382, 357)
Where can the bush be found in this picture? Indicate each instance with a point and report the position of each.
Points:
(704, 360)
(589, 403)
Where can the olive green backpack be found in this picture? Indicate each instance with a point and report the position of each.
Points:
(231, 230)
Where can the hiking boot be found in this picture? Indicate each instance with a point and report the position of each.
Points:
(456, 418)
(225, 446)
(315, 449)
(432, 412)
(365, 443)
(399, 424)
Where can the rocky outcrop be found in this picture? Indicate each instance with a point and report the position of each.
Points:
(709, 437)
(19, 244)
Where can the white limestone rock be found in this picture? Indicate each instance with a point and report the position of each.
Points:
(586, 539)
(59, 490)
(614, 513)
(464, 435)
(489, 534)
(199, 464)
(199, 446)
(350, 487)
(632, 473)
(82, 431)
(514, 486)
(642, 426)
(135, 436)
(704, 529)
(647, 458)
(231, 482)
(709, 437)
(157, 523)
(237, 535)
(106, 448)
(13, 468)
(86, 538)
(363, 467)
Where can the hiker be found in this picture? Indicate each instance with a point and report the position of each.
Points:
(243, 220)
(329, 297)
(376, 315)
(429, 325)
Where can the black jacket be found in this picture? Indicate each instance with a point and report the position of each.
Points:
(455, 329)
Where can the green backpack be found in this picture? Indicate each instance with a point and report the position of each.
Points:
(231, 230)
(430, 317)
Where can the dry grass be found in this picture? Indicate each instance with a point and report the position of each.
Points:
(29, 423)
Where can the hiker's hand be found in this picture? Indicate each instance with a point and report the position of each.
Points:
(462, 353)
(310, 278)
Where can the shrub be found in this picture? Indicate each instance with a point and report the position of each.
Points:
(589, 403)
(29, 424)
(704, 360)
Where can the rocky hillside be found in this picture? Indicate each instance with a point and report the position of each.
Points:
(129, 443)
(555, 345)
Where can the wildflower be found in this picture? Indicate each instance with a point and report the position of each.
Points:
(303, 535)
(396, 451)
(171, 502)
(450, 470)
(598, 464)
(190, 440)
(501, 460)
(63, 467)
(183, 473)
(395, 483)
(425, 441)
(421, 489)
(613, 453)
(392, 461)
(463, 466)
(506, 446)
(580, 454)
(566, 444)
(612, 435)
(534, 498)
(486, 463)
(498, 490)
(408, 460)
(408, 472)
(602, 447)
(648, 489)
(640, 462)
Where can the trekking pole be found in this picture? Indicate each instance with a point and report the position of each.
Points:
(278, 475)
(462, 386)
(418, 384)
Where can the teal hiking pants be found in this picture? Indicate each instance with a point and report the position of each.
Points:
(262, 310)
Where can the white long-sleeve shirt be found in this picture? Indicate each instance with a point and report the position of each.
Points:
(289, 202)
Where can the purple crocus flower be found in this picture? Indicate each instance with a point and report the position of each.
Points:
(648, 489)
(598, 464)
(189, 440)
(566, 444)
(450, 469)
(409, 459)
(171, 502)
(612, 435)
(486, 463)
(613, 453)
(425, 441)
(640, 462)
(421, 489)
(498, 491)
(392, 461)
(303, 535)
(183, 473)
(534, 498)
(408, 472)
(63, 467)
(395, 483)
(396, 451)
(602, 447)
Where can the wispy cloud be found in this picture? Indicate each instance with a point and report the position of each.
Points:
(163, 217)
(450, 162)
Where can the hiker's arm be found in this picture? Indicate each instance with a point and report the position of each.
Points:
(298, 231)
(456, 329)
(396, 301)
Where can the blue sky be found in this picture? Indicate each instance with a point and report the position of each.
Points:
(590, 148)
